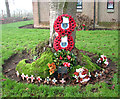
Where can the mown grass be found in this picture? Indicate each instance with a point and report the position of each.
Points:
(103, 42)
(15, 39)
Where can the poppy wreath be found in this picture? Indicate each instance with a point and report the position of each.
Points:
(57, 41)
(64, 32)
(58, 22)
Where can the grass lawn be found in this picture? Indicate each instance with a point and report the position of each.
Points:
(15, 40)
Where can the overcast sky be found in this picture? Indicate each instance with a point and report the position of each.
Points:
(17, 5)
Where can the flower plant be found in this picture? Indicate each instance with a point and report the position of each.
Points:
(52, 68)
(82, 27)
(64, 58)
(103, 60)
(82, 75)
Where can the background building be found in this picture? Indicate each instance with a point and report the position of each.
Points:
(102, 12)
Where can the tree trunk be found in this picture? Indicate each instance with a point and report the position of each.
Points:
(7, 8)
(56, 9)
(70, 9)
(59, 8)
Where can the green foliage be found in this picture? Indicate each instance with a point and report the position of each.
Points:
(63, 53)
(74, 69)
(36, 51)
(38, 67)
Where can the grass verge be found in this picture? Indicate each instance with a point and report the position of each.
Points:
(15, 39)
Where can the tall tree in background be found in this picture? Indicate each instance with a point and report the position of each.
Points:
(7, 8)
(58, 8)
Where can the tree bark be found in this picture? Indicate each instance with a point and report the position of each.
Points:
(59, 8)
(70, 9)
(7, 8)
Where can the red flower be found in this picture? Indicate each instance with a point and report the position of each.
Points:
(80, 79)
(83, 25)
(68, 57)
(66, 64)
(105, 57)
(38, 78)
(84, 72)
(86, 77)
(78, 30)
(61, 58)
(101, 59)
(76, 73)
(112, 53)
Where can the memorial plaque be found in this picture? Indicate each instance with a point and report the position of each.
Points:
(62, 70)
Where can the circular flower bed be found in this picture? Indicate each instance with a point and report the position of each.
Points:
(62, 67)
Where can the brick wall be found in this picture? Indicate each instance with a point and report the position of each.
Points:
(35, 14)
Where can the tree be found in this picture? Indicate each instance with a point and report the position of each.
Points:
(7, 8)
(59, 8)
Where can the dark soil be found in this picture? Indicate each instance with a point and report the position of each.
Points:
(31, 26)
(12, 20)
(10, 66)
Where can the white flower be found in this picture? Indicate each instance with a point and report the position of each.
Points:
(96, 74)
(102, 56)
(82, 76)
(89, 74)
(106, 63)
(85, 80)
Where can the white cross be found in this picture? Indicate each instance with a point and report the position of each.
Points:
(23, 76)
(62, 81)
(17, 73)
(39, 79)
(47, 80)
(54, 80)
(32, 78)
(27, 77)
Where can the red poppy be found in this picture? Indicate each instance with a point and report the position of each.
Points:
(61, 58)
(105, 57)
(85, 71)
(86, 77)
(68, 57)
(80, 79)
(101, 59)
(66, 64)
(76, 73)
(83, 25)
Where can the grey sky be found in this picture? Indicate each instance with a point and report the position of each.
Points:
(17, 5)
